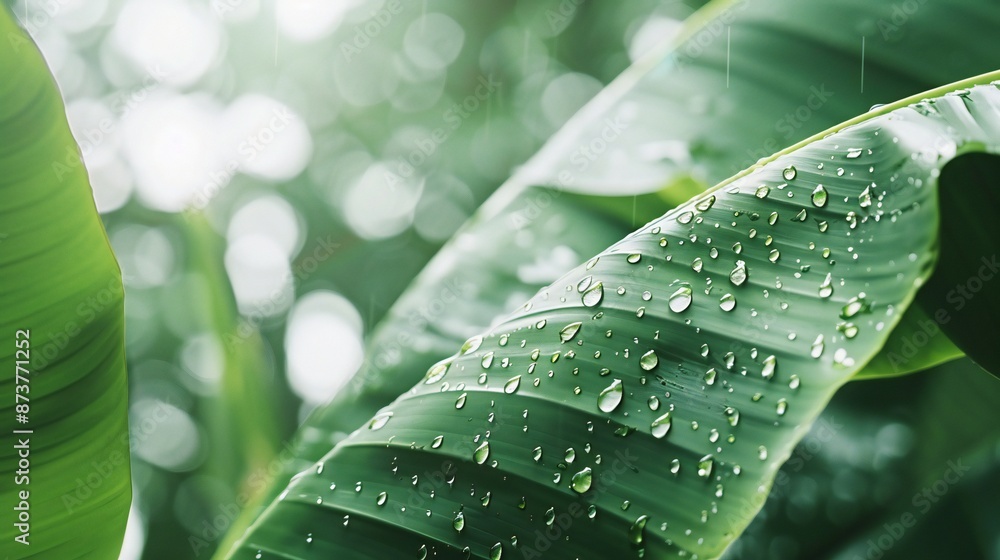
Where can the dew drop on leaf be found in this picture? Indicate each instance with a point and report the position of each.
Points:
(379, 421)
(705, 465)
(739, 274)
(610, 397)
(635, 532)
(789, 173)
(727, 302)
(582, 480)
(471, 345)
(770, 364)
(459, 522)
(649, 360)
(436, 372)
(661, 426)
(512, 384)
(819, 196)
(705, 203)
(680, 300)
(593, 295)
(482, 453)
(826, 288)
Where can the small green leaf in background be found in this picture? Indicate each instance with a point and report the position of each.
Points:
(61, 287)
(643, 403)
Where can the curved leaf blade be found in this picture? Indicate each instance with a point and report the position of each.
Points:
(61, 287)
(822, 264)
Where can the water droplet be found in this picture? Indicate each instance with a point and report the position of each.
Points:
(730, 359)
(379, 421)
(732, 416)
(635, 532)
(774, 255)
(437, 372)
(705, 203)
(583, 284)
(459, 522)
(610, 397)
(633, 258)
(496, 552)
(436, 442)
(536, 454)
(594, 295)
(460, 402)
(737, 247)
(661, 426)
(512, 384)
(727, 302)
(865, 198)
(471, 345)
(789, 173)
(762, 191)
(649, 360)
(381, 499)
(850, 330)
(653, 402)
(801, 216)
(710, 376)
(675, 466)
(685, 217)
(680, 300)
(781, 407)
(817, 347)
(697, 264)
(854, 153)
(770, 364)
(826, 288)
(854, 306)
(793, 382)
(705, 465)
(739, 274)
(482, 452)
(704, 350)
(819, 196)
(762, 453)
(582, 480)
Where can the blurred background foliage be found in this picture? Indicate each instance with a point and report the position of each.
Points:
(290, 124)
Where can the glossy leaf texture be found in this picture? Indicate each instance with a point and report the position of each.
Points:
(61, 310)
(663, 126)
(637, 404)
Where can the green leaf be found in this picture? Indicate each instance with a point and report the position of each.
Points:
(62, 302)
(666, 125)
(741, 312)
